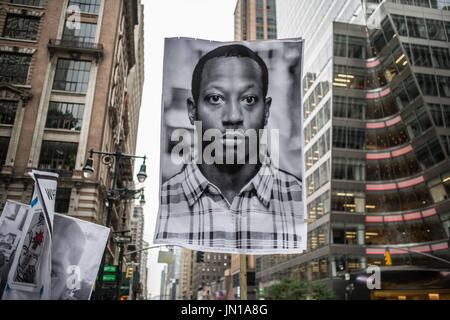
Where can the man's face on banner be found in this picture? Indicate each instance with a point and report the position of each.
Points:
(231, 99)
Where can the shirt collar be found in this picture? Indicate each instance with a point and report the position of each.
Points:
(195, 183)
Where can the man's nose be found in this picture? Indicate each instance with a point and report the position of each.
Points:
(233, 117)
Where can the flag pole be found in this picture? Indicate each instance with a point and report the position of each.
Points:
(243, 276)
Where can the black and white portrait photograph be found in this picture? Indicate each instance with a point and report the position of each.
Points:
(77, 251)
(231, 147)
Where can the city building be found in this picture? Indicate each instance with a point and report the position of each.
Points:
(255, 20)
(162, 291)
(143, 272)
(207, 268)
(137, 235)
(186, 274)
(376, 103)
(71, 74)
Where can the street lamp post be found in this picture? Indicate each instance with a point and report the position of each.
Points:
(110, 159)
(121, 239)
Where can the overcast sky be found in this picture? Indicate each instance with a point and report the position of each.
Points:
(202, 19)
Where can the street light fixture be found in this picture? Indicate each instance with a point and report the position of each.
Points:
(142, 201)
(112, 160)
(142, 175)
(88, 169)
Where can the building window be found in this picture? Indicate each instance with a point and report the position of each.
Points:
(436, 30)
(87, 6)
(14, 67)
(430, 154)
(58, 156)
(72, 75)
(21, 27)
(447, 29)
(86, 33)
(427, 84)
(444, 86)
(416, 27)
(400, 25)
(441, 57)
(421, 55)
(62, 115)
(8, 111)
(34, 3)
(62, 201)
(351, 138)
(4, 145)
(349, 169)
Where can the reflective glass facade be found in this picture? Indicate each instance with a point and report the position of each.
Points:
(377, 142)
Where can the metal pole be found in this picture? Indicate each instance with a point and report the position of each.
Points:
(99, 286)
(119, 276)
(243, 276)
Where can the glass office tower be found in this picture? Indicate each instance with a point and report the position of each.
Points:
(377, 134)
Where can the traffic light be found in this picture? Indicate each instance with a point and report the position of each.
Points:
(129, 274)
(388, 258)
(200, 257)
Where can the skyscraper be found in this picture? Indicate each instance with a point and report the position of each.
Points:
(255, 20)
(376, 103)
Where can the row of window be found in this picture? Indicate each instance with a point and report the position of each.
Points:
(351, 77)
(416, 27)
(404, 232)
(70, 75)
(392, 169)
(426, 56)
(419, 197)
(319, 207)
(18, 26)
(34, 3)
(432, 85)
(404, 94)
(389, 169)
(319, 178)
(415, 123)
(434, 4)
(318, 122)
(440, 114)
(55, 156)
(61, 115)
(318, 150)
(350, 47)
(363, 109)
(319, 93)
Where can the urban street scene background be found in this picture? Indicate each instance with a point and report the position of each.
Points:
(80, 96)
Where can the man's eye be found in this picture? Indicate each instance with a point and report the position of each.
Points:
(214, 99)
(250, 100)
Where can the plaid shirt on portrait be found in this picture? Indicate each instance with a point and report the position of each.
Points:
(266, 217)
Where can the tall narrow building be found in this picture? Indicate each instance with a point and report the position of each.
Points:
(376, 102)
(255, 20)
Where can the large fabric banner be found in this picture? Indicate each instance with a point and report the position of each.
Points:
(77, 252)
(231, 149)
(29, 278)
(36, 264)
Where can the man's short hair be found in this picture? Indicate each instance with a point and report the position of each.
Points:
(228, 51)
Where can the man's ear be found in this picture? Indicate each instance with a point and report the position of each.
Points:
(192, 110)
(267, 105)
